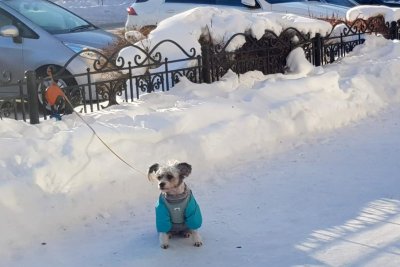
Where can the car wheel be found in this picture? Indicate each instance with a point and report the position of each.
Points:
(61, 107)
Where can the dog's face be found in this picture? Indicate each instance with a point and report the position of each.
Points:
(170, 176)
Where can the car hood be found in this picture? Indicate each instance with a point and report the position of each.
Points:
(92, 39)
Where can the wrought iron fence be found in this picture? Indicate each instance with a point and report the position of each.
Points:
(267, 54)
(112, 77)
(345, 36)
(110, 80)
(13, 103)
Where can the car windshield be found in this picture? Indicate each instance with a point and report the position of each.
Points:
(49, 16)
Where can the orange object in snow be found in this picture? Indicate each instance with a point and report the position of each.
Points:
(53, 92)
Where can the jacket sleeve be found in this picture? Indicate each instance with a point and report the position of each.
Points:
(163, 219)
(193, 218)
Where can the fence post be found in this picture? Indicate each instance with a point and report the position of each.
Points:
(166, 75)
(396, 27)
(393, 30)
(317, 44)
(398, 30)
(32, 97)
(205, 69)
(21, 93)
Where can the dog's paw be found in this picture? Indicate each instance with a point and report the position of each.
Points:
(164, 246)
(198, 244)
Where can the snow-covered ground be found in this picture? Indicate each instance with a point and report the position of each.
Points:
(332, 200)
(289, 170)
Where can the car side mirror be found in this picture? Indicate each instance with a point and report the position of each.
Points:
(11, 31)
(251, 3)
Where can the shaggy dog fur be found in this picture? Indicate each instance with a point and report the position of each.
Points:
(171, 183)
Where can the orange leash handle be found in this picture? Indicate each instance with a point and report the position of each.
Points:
(53, 92)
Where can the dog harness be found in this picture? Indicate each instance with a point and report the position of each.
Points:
(176, 209)
(177, 213)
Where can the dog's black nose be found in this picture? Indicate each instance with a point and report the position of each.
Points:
(161, 185)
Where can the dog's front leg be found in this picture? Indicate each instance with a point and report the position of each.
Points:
(197, 242)
(164, 240)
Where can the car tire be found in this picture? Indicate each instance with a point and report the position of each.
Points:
(61, 107)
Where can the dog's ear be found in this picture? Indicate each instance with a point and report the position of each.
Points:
(153, 168)
(184, 169)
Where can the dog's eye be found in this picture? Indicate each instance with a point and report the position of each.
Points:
(159, 177)
(169, 176)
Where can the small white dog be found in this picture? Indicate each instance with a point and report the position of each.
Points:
(177, 211)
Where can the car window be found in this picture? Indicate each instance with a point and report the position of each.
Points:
(24, 31)
(4, 19)
(49, 16)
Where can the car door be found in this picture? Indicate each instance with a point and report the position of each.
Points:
(15, 52)
(11, 56)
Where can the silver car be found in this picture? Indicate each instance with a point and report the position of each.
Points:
(37, 33)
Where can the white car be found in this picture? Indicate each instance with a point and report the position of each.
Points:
(151, 12)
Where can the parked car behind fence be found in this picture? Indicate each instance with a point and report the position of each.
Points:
(35, 34)
(151, 12)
